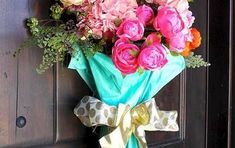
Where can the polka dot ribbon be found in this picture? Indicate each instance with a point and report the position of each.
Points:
(125, 120)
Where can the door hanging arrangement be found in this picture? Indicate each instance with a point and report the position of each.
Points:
(126, 51)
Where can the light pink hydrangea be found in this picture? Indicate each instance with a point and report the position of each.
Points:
(104, 13)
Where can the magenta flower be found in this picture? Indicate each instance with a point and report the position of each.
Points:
(173, 28)
(169, 22)
(121, 41)
(132, 29)
(145, 14)
(124, 56)
(151, 39)
(177, 43)
(153, 57)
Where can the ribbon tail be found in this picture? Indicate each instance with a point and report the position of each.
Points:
(161, 120)
(166, 121)
(116, 139)
(140, 135)
(120, 136)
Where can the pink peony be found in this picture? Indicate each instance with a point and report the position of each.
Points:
(177, 43)
(124, 56)
(174, 26)
(151, 39)
(168, 21)
(182, 8)
(132, 29)
(122, 41)
(152, 57)
(145, 14)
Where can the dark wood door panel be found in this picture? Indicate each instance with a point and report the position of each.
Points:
(23, 92)
(70, 89)
(47, 101)
(171, 97)
(35, 92)
(197, 83)
(35, 100)
(9, 40)
(12, 33)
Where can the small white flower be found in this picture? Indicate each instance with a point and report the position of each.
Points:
(67, 3)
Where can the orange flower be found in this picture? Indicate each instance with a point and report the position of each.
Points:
(186, 52)
(196, 42)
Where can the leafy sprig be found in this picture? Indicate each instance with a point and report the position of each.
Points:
(195, 61)
(91, 46)
(56, 11)
(56, 41)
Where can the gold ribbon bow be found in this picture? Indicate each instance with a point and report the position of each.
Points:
(126, 121)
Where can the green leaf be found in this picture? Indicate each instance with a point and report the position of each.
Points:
(134, 53)
(140, 70)
(174, 53)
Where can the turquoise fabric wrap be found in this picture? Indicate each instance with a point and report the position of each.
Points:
(107, 82)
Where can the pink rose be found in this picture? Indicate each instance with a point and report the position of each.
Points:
(121, 41)
(124, 56)
(145, 14)
(151, 39)
(153, 57)
(132, 29)
(177, 43)
(169, 22)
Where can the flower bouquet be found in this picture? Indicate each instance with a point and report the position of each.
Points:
(126, 51)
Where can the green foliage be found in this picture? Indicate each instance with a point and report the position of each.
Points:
(31, 41)
(55, 40)
(174, 53)
(134, 53)
(90, 47)
(56, 11)
(33, 23)
(195, 61)
(140, 70)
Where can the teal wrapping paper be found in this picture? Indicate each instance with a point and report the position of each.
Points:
(110, 86)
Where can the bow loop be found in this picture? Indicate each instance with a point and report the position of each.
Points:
(140, 115)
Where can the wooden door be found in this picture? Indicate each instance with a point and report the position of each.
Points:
(37, 110)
